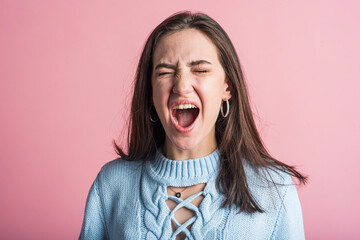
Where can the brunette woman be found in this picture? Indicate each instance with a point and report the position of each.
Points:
(195, 166)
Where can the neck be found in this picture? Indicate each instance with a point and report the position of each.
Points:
(174, 153)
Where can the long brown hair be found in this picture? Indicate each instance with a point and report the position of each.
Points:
(237, 136)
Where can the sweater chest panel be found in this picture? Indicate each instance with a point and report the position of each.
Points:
(209, 220)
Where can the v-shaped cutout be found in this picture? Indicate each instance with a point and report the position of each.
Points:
(187, 210)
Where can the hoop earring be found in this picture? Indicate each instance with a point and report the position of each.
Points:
(227, 109)
(151, 118)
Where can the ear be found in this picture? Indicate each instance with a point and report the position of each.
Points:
(228, 88)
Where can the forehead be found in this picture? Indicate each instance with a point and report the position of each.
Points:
(186, 45)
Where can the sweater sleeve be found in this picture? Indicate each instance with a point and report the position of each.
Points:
(289, 222)
(93, 226)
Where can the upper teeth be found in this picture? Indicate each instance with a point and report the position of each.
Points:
(184, 106)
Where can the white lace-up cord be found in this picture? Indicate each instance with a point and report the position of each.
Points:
(184, 203)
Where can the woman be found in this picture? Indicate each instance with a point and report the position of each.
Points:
(195, 167)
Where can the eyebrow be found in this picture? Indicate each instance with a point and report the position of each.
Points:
(165, 65)
(191, 64)
(198, 62)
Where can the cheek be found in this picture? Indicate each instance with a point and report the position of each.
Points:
(211, 97)
(212, 90)
(160, 97)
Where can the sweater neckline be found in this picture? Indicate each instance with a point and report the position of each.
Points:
(185, 172)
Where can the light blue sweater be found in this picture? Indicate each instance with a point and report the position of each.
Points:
(127, 201)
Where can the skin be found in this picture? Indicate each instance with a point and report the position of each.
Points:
(187, 67)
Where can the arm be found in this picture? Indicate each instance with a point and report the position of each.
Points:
(289, 222)
(93, 226)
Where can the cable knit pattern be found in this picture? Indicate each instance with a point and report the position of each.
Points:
(164, 173)
(128, 201)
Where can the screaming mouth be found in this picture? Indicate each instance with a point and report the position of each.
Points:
(185, 114)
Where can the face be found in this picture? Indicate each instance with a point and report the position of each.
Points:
(188, 86)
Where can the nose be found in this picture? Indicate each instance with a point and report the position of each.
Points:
(182, 84)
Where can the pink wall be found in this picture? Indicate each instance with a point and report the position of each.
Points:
(65, 72)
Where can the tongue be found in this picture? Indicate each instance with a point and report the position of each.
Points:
(186, 117)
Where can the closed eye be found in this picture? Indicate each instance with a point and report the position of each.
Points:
(164, 73)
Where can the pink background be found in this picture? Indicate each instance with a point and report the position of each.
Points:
(66, 69)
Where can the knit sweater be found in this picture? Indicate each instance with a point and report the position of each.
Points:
(127, 201)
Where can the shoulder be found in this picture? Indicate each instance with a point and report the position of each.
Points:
(119, 173)
(267, 175)
(115, 192)
(270, 186)
(119, 165)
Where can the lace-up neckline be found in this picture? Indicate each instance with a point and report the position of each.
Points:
(186, 203)
(166, 172)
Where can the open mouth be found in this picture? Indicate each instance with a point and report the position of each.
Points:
(185, 114)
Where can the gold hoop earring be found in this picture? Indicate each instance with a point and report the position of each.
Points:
(227, 109)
